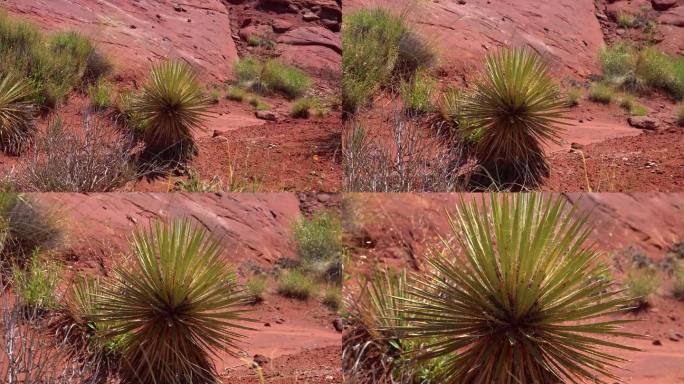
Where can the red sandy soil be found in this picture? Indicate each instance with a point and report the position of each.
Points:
(298, 338)
(569, 35)
(399, 230)
(283, 155)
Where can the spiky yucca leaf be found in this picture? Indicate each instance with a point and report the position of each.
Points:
(174, 306)
(170, 107)
(520, 305)
(518, 107)
(17, 126)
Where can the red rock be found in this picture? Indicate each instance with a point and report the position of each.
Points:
(663, 5)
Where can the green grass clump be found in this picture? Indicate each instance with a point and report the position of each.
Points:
(680, 115)
(378, 48)
(626, 20)
(256, 286)
(318, 238)
(36, 284)
(260, 41)
(518, 273)
(642, 70)
(272, 76)
(236, 93)
(601, 93)
(573, 96)
(17, 115)
(332, 298)
(100, 94)
(258, 103)
(417, 94)
(306, 107)
(53, 64)
(296, 284)
(641, 284)
(174, 305)
(678, 286)
(170, 108)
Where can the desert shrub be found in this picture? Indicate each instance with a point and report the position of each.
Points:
(414, 54)
(678, 286)
(100, 94)
(680, 115)
(627, 102)
(641, 284)
(626, 20)
(17, 127)
(260, 41)
(170, 108)
(173, 305)
(601, 93)
(641, 70)
(258, 103)
(296, 284)
(573, 97)
(332, 298)
(518, 107)
(370, 51)
(27, 227)
(36, 283)
(194, 183)
(99, 159)
(519, 274)
(236, 93)
(272, 76)
(302, 107)
(412, 161)
(417, 93)
(53, 64)
(451, 113)
(318, 238)
(255, 287)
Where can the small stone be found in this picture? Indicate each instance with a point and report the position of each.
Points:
(663, 5)
(265, 115)
(267, 324)
(323, 197)
(261, 360)
(657, 342)
(179, 8)
(310, 16)
(338, 324)
(643, 122)
(281, 26)
(280, 321)
(576, 146)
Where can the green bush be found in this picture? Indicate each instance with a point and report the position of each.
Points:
(519, 274)
(17, 126)
(100, 94)
(170, 107)
(36, 284)
(641, 284)
(680, 115)
(517, 106)
(417, 94)
(173, 306)
(626, 20)
(318, 238)
(332, 298)
(236, 93)
(27, 226)
(53, 64)
(256, 285)
(272, 76)
(296, 284)
(375, 45)
(258, 103)
(601, 93)
(573, 97)
(641, 70)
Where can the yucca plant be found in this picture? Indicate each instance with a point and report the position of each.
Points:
(173, 307)
(518, 301)
(170, 108)
(518, 108)
(17, 126)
